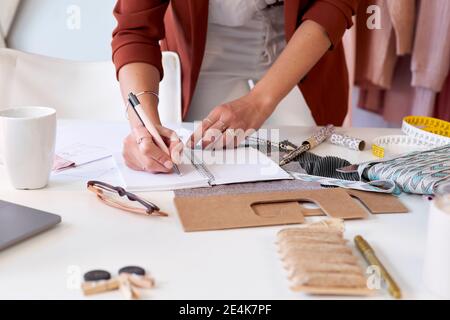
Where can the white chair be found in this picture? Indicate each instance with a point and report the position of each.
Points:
(79, 90)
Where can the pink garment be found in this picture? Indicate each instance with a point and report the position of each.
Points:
(398, 101)
(431, 56)
(401, 100)
(415, 81)
(393, 104)
(442, 107)
(423, 102)
(371, 98)
(403, 18)
(378, 49)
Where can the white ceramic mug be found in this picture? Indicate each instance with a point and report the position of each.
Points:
(27, 145)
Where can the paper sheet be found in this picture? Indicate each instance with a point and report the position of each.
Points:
(81, 153)
(144, 181)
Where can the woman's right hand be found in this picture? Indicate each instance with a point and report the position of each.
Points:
(141, 153)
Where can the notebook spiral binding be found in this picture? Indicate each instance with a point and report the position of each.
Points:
(200, 167)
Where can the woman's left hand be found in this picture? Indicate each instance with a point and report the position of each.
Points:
(227, 125)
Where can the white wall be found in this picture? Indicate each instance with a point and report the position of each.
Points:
(50, 27)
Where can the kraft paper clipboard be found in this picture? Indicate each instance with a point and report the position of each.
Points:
(228, 211)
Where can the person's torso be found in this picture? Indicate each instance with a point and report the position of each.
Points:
(244, 36)
(186, 22)
(235, 13)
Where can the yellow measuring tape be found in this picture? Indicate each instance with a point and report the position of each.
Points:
(420, 133)
(377, 151)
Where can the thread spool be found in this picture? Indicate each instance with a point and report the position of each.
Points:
(348, 142)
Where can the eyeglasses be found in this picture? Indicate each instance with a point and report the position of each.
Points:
(112, 196)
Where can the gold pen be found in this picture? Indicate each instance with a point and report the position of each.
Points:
(370, 256)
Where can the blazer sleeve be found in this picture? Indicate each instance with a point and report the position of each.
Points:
(335, 16)
(140, 27)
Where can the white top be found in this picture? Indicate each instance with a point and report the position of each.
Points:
(235, 13)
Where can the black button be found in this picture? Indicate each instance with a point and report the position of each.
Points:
(133, 270)
(97, 275)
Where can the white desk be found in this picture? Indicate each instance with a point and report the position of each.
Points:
(232, 264)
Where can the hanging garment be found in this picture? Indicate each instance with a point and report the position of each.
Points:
(377, 49)
(8, 10)
(442, 106)
(380, 50)
(397, 102)
(373, 98)
(431, 56)
(413, 87)
(401, 100)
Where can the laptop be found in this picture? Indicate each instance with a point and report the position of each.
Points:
(18, 223)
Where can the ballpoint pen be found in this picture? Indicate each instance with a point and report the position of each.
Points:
(136, 105)
(370, 256)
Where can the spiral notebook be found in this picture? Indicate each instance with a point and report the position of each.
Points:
(202, 168)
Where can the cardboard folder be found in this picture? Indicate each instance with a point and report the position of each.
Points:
(227, 211)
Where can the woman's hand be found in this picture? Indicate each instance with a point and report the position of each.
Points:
(141, 153)
(228, 124)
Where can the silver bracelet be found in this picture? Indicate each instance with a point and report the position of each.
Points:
(140, 94)
(145, 92)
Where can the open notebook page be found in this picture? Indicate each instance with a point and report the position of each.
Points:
(144, 181)
(240, 165)
(226, 166)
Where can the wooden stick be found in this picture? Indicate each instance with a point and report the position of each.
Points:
(96, 287)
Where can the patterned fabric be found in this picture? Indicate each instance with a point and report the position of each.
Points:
(418, 172)
(325, 166)
(373, 186)
(323, 170)
(309, 162)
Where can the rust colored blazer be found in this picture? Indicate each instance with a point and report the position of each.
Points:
(182, 27)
